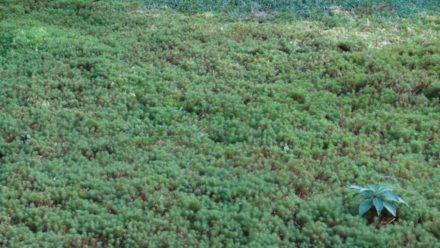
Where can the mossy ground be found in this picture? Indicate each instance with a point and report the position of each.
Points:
(153, 128)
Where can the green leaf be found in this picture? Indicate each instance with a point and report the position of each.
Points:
(365, 206)
(355, 187)
(373, 187)
(385, 188)
(366, 194)
(378, 204)
(391, 208)
(388, 196)
(402, 201)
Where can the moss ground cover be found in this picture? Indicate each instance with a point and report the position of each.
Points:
(127, 126)
(301, 8)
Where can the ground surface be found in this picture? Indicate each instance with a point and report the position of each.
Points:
(153, 128)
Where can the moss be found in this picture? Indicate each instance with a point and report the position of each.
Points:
(158, 128)
(433, 91)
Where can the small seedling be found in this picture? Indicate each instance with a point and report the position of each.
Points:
(379, 197)
(25, 137)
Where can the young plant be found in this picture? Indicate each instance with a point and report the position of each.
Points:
(379, 197)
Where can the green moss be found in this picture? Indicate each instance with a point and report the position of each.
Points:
(158, 128)
(433, 90)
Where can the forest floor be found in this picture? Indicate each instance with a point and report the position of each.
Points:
(126, 126)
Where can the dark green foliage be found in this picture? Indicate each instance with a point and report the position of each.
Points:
(152, 128)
